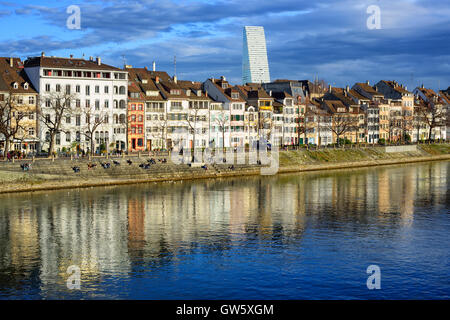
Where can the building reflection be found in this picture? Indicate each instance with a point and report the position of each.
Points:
(121, 230)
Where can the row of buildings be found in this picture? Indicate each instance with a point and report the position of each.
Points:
(61, 104)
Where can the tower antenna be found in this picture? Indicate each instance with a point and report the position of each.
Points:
(175, 65)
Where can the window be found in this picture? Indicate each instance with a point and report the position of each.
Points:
(77, 89)
(68, 88)
(97, 89)
(31, 100)
(31, 131)
(87, 103)
(176, 105)
(78, 103)
(78, 121)
(68, 119)
(47, 87)
(88, 90)
(48, 103)
(97, 104)
(122, 90)
(67, 136)
(106, 104)
(58, 88)
(106, 89)
(31, 116)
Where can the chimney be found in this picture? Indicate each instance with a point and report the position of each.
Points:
(347, 88)
(154, 66)
(91, 58)
(423, 86)
(329, 88)
(71, 56)
(11, 62)
(42, 54)
(367, 82)
(99, 61)
(175, 79)
(270, 93)
(157, 80)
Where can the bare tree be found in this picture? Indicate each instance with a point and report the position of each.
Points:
(432, 116)
(92, 121)
(342, 123)
(57, 106)
(222, 120)
(11, 117)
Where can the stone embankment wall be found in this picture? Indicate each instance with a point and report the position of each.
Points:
(46, 174)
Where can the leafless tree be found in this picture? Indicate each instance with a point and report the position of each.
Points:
(343, 123)
(432, 116)
(93, 120)
(222, 121)
(11, 119)
(57, 106)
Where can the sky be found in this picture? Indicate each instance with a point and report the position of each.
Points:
(329, 40)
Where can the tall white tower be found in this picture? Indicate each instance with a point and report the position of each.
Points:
(255, 65)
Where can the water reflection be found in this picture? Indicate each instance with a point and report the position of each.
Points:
(119, 234)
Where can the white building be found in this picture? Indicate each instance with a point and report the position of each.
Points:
(255, 65)
(233, 109)
(93, 86)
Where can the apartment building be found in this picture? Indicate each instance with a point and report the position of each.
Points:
(402, 108)
(220, 90)
(18, 101)
(93, 88)
(136, 115)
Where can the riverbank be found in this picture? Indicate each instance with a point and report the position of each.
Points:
(53, 175)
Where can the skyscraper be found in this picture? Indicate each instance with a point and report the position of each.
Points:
(255, 65)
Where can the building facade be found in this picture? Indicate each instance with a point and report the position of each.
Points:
(255, 64)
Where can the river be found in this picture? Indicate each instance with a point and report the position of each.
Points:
(296, 236)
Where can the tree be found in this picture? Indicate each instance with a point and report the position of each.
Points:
(11, 117)
(432, 116)
(57, 106)
(92, 122)
(222, 120)
(342, 123)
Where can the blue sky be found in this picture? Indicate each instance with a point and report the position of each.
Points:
(305, 39)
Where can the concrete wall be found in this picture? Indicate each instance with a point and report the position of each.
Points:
(391, 149)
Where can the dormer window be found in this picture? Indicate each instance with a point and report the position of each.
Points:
(25, 86)
(235, 95)
(175, 92)
(16, 85)
(224, 85)
(144, 81)
(199, 93)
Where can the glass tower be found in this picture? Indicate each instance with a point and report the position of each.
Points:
(255, 65)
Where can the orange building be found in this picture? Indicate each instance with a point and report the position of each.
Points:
(136, 131)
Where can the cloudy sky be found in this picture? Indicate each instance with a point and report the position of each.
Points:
(306, 39)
